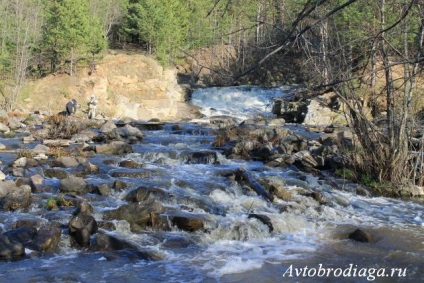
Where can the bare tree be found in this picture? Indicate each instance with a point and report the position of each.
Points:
(20, 32)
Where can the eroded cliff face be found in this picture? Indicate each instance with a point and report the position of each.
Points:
(134, 86)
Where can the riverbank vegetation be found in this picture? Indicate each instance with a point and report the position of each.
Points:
(370, 53)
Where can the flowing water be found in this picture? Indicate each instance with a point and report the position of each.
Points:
(234, 247)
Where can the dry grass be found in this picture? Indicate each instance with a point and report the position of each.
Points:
(24, 153)
(63, 127)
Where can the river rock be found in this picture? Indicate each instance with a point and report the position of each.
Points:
(102, 190)
(23, 235)
(10, 249)
(29, 222)
(223, 121)
(127, 132)
(188, 223)
(411, 191)
(361, 236)
(120, 185)
(108, 127)
(56, 173)
(20, 162)
(305, 159)
(46, 239)
(2, 176)
(4, 128)
(15, 123)
(200, 157)
(35, 182)
(81, 227)
(40, 148)
(103, 242)
(280, 192)
(114, 148)
(73, 185)
(6, 187)
(138, 195)
(133, 174)
(139, 215)
(82, 206)
(129, 164)
(264, 219)
(66, 161)
(17, 199)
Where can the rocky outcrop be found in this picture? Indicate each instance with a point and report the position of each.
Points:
(135, 86)
(303, 107)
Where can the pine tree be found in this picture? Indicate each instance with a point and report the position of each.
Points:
(69, 32)
(162, 24)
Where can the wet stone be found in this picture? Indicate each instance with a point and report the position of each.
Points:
(56, 173)
(47, 238)
(188, 224)
(102, 189)
(17, 199)
(73, 185)
(120, 185)
(139, 174)
(10, 249)
(81, 227)
(129, 164)
(361, 236)
(139, 194)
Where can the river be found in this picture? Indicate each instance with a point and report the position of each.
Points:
(234, 247)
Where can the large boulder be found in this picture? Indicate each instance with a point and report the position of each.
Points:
(127, 133)
(139, 215)
(81, 227)
(108, 127)
(47, 238)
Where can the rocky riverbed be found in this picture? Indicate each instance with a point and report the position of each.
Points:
(69, 182)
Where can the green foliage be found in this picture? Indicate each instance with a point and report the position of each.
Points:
(69, 31)
(161, 24)
(51, 204)
(346, 173)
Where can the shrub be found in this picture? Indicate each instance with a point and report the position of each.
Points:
(63, 126)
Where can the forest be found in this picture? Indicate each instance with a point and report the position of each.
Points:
(369, 52)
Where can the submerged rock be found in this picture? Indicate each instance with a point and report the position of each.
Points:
(104, 242)
(10, 249)
(188, 223)
(264, 219)
(139, 215)
(361, 236)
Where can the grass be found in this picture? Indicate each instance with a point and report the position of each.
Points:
(51, 204)
(63, 126)
(24, 153)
